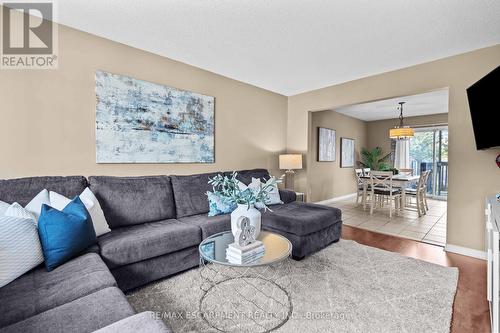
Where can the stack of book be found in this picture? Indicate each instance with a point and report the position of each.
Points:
(241, 255)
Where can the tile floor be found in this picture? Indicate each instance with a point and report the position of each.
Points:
(430, 228)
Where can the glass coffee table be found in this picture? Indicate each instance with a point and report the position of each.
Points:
(251, 297)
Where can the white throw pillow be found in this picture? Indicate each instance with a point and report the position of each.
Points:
(274, 194)
(19, 244)
(241, 186)
(16, 210)
(100, 224)
(88, 198)
(3, 207)
(35, 205)
(59, 201)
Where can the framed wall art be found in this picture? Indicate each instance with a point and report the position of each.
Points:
(347, 153)
(326, 144)
(143, 122)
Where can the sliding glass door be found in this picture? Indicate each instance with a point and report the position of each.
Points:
(429, 151)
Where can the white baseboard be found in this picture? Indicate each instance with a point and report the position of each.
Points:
(465, 251)
(343, 197)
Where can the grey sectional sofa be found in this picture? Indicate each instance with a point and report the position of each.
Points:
(157, 223)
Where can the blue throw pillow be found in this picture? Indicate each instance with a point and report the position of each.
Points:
(219, 205)
(66, 233)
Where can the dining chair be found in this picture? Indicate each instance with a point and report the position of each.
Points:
(381, 187)
(425, 188)
(419, 193)
(359, 184)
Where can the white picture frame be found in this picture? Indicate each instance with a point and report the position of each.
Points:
(326, 144)
(347, 153)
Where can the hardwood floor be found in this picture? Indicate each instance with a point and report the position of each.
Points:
(470, 310)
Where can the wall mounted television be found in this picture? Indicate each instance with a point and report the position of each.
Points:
(484, 105)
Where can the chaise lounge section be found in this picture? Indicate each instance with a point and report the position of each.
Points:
(308, 227)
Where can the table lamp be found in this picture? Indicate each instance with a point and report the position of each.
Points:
(290, 162)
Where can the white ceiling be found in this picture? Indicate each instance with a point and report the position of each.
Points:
(292, 46)
(415, 105)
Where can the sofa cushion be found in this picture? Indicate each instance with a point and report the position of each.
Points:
(85, 314)
(140, 273)
(127, 245)
(144, 322)
(308, 244)
(133, 200)
(219, 204)
(273, 194)
(209, 225)
(20, 248)
(288, 196)
(3, 208)
(35, 205)
(22, 190)
(300, 218)
(39, 290)
(245, 176)
(65, 234)
(190, 193)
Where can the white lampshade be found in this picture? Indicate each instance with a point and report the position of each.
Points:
(290, 161)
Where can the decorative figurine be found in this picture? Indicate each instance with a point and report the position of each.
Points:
(245, 233)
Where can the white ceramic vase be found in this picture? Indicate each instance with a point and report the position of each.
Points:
(251, 213)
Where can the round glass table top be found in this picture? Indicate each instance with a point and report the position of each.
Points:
(276, 249)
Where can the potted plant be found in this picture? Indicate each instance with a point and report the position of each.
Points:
(247, 198)
(375, 160)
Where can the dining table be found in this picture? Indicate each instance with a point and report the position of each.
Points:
(402, 181)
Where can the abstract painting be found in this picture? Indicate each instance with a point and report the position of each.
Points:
(346, 153)
(326, 144)
(144, 122)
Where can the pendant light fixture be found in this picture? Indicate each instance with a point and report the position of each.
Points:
(401, 132)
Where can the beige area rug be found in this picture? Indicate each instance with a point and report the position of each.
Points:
(347, 287)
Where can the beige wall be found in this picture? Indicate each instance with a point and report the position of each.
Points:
(48, 116)
(333, 181)
(378, 131)
(473, 174)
